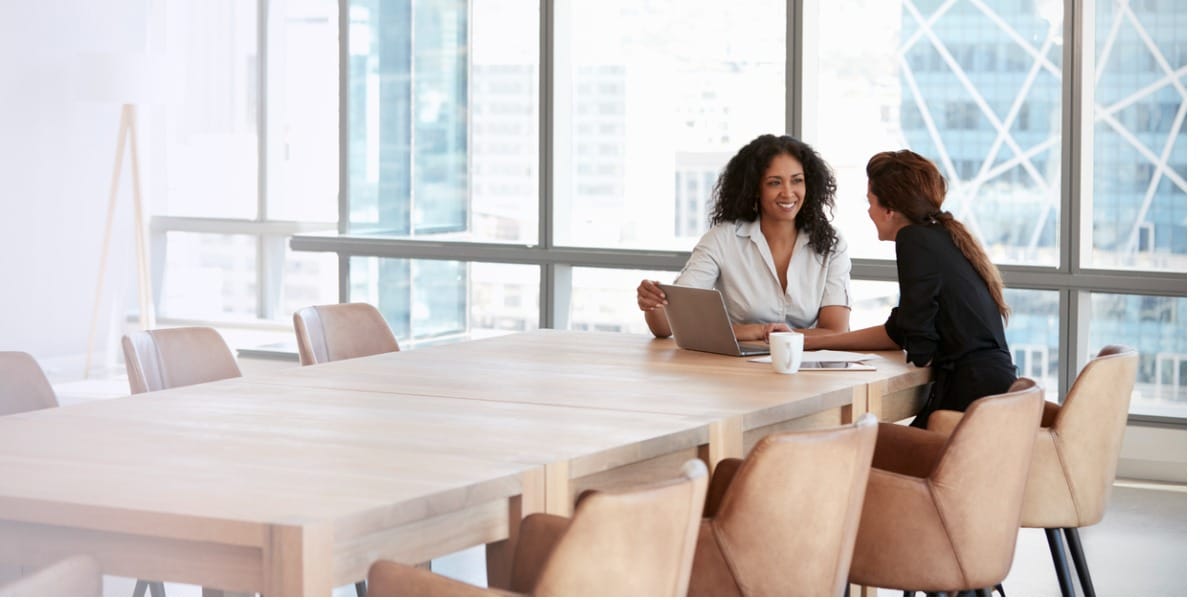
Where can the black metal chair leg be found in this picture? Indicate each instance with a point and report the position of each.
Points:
(139, 588)
(910, 593)
(360, 588)
(157, 589)
(1000, 588)
(1059, 556)
(1081, 568)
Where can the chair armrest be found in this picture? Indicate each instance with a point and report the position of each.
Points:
(539, 535)
(719, 483)
(908, 450)
(944, 421)
(388, 578)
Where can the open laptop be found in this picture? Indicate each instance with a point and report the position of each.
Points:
(699, 321)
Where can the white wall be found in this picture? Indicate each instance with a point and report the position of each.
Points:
(66, 66)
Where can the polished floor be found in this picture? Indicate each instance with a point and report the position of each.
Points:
(1139, 549)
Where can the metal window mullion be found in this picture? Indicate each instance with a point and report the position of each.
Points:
(262, 269)
(549, 289)
(793, 68)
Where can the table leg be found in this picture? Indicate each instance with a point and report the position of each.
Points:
(500, 553)
(298, 560)
(724, 441)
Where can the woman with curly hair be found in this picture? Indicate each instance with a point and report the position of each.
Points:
(771, 251)
(952, 307)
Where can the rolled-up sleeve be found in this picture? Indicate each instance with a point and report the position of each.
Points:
(837, 281)
(912, 324)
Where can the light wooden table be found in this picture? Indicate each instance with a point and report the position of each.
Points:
(294, 482)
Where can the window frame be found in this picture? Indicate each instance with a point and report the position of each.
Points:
(1073, 282)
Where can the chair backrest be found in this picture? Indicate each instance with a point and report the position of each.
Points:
(979, 483)
(75, 576)
(637, 542)
(788, 521)
(339, 331)
(23, 385)
(159, 359)
(1090, 427)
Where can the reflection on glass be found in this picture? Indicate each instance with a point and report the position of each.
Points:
(975, 87)
(429, 300)
(651, 98)
(1138, 167)
(606, 299)
(209, 276)
(1155, 326)
(442, 111)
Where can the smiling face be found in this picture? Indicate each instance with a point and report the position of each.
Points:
(781, 193)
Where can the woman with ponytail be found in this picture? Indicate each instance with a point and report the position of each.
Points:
(952, 309)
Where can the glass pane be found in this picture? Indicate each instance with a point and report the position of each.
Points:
(302, 112)
(975, 87)
(1032, 333)
(606, 299)
(1156, 327)
(209, 277)
(1138, 168)
(210, 98)
(442, 112)
(433, 300)
(651, 98)
(308, 278)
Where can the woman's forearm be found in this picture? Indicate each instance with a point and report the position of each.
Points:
(656, 320)
(871, 338)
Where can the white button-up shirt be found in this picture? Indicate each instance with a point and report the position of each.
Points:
(735, 259)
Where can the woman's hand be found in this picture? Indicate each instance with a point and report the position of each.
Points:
(757, 331)
(649, 296)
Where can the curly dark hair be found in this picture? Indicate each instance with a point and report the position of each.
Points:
(736, 193)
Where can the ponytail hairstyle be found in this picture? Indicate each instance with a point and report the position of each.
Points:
(910, 184)
(736, 193)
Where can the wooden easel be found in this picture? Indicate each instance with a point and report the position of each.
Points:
(126, 130)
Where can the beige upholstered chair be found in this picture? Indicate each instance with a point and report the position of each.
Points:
(942, 511)
(74, 576)
(339, 331)
(160, 359)
(23, 385)
(783, 521)
(1075, 457)
(638, 542)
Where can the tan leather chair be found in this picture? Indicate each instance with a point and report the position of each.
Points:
(942, 511)
(1075, 457)
(782, 522)
(75, 576)
(638, 542)
(160, 359)
(339, 331)
(23, 385)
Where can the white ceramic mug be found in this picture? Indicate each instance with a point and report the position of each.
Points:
(787, 349)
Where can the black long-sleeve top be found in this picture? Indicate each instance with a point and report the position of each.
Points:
(945, 313)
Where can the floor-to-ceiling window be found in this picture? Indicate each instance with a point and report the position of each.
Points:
(514, 164)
